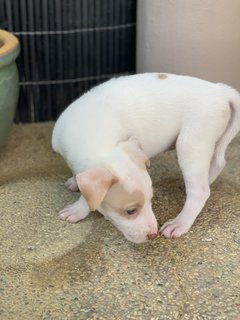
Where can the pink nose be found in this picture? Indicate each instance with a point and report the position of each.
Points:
(152, 236)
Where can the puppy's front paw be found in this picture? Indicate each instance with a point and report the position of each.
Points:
(73, 213)
(71, 184)
(174, 228)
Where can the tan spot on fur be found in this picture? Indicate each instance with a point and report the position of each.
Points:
(119, 199)
(162, 76)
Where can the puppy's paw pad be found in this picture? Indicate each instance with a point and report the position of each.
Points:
(72, 214)
(174, 229)
(71, 184)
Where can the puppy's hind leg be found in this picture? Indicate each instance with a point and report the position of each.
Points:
(194, 159)
(216, 167)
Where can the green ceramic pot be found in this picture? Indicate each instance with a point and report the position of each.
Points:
(9, 86)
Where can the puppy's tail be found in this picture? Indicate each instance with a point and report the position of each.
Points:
(230, 132)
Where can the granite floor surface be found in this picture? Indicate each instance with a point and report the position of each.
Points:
(50, 269)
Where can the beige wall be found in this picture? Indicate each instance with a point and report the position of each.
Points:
(195, 37)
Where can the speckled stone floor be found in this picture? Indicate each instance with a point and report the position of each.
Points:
(50, 269)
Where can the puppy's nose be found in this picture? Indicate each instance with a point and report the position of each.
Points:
(152, 236)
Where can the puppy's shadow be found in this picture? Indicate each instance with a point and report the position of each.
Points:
(169, 197)
(79, 264)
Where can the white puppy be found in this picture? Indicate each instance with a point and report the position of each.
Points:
(108, 134)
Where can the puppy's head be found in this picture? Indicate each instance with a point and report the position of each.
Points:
(122, 191)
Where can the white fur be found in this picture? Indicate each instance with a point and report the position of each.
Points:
(197, 116)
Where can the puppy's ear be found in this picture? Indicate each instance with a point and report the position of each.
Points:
(94, 185)
(134, 149)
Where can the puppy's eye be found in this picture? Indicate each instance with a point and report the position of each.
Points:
(131, 211)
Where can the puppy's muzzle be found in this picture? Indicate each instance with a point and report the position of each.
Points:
(152, 236)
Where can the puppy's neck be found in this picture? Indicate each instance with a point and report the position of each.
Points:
(118, 161)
